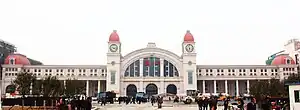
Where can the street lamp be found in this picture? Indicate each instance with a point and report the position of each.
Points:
(1, 55)
(297, 63)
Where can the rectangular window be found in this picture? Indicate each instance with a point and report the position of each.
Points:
(296, 96)
(112, 77)
(190, 77)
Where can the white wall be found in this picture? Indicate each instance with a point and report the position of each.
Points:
(293, 105)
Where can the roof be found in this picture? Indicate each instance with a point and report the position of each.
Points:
(188, 37)
(114, 36)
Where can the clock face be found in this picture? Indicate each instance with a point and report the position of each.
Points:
(113, 48)
(189, 48)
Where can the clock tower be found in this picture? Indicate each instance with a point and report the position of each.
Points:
(189, 63)
(113, 63)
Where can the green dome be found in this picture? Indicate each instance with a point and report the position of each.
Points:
(270, 59)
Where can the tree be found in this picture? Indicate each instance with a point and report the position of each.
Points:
(276, 88)
(52, 87)
(273, 87)
(23, 82)
(37, 87)
(74, 87)
(294, 78)
(259, 89)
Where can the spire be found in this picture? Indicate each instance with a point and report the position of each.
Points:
(188, 37)
(114, 36)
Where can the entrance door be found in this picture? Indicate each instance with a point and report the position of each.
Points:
(172, 89)
(151, 89)
(131, 90)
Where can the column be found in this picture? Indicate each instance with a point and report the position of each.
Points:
(65, 84)
(87, 88)
(162, 87)
(99, 85)
(248, 87)
(141, 83)
(203, 86)
(162, 67)
(30, 92)
(237, 87)
(215, 86)
(141, 67)
(141, 87)
(162, 72)
(226, 87)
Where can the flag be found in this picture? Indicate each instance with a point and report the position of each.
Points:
(157, 62)
(147, 63)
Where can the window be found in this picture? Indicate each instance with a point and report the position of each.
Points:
(112, 77)
(288, 61)
(190, 77)
(12, 61)
(296, 96)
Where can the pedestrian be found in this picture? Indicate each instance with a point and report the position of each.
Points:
(251, 105)
(214, 103)
(103, 101)
(205, 104)
(159, 102)
(226, 103)
(200, 103)
(152, 100)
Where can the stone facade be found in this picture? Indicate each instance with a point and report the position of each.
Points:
(155, 70)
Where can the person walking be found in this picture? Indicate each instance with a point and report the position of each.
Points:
(159, 102)
(152, 100)
(205, 103)
(226, 103)
(251, 105)
(200, 103)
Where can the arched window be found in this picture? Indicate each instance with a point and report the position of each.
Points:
(12, 61)
(151, 67)
(133, 70)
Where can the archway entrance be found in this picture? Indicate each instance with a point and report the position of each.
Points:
(10, 88)
(131, 90)
(151, 89)
(172, 89)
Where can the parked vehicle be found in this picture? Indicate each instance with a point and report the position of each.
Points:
(109, 96)
(143, 96)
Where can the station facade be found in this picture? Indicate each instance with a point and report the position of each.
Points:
(154, 70)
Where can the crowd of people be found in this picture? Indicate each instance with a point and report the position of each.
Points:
(204, 103)
(211, 103)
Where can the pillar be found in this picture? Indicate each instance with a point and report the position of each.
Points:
(248, 87)
(226, 87)
(30, 92)
(141, 67)
(99, 85)
(65, 84)
(87, 88)
(162, 83)
(215, 86)
(162, 68)
(203, 86)
(237, 87)
(141, 87)
(141, 83)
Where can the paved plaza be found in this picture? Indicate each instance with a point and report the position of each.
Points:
(147, 106)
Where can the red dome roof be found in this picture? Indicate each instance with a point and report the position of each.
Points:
(188, 37)
(114, 36)
(16, 59)
(283, 60)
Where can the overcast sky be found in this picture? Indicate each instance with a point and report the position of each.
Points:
(227, 32)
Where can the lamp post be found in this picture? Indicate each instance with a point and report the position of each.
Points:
(297, 63)
(1, 55)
